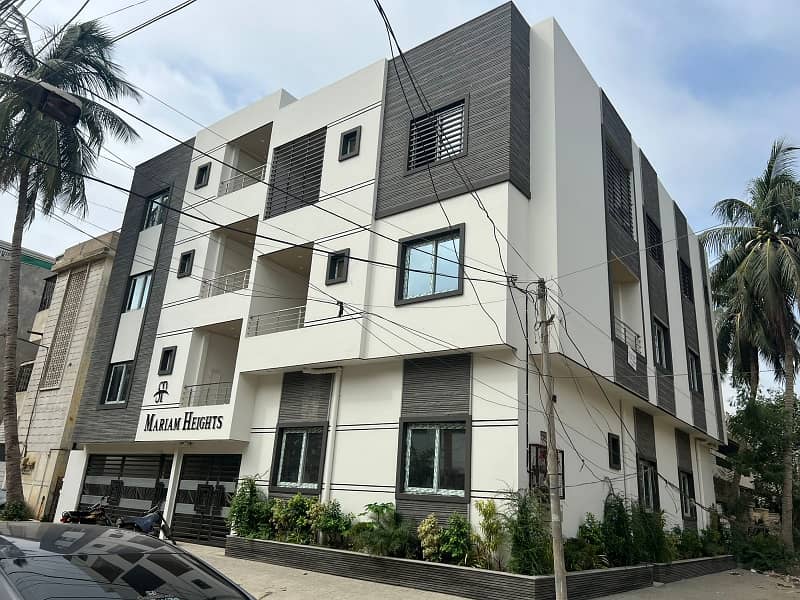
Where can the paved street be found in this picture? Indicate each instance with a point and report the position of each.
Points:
(270, 581)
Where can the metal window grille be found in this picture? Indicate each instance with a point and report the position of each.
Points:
(648, 484)
(695, 380)
(47, 293)
(436, 136)
(537, 469)
(24, 377)
(660, 346)
(59, 348)
(686, 481)
(655, 247)
(296, 173)
(685, 274)
(618, 190)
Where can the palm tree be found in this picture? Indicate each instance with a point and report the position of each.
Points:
(758, 275)
(44, 160)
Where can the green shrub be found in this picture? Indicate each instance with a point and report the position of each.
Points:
(456, 540)
(489, 546)
(529, 533)
(649, 537)
(385, 534)
(617, 532)
(689, 544)
(591, 531)
(430, 538)
(291, 519)
(15, 511)
(330, 523)
(762, 551)
(251, 512)
(580, 555)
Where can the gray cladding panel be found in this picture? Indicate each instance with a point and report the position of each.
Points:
(617, 132)
(437, 385)
(665, 390)
(681, 232)
(690, 325)
(684, 450)
(305, 397)
(650, 190)
(657, 291)
(699, 411)
(622, 246)
(416, 510)
(633, 379)
(645, 434)
(696, 567)
(712, 344)
(478, 61)
(169, 170)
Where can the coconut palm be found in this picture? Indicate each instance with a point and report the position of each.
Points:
(758, 275)
(43, 160)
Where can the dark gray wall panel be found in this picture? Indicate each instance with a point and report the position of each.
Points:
(486, 61)
(699, 411)
(665, 390)
(305, 397)
(645, 434)
(712, 344)
(617, 132)
(95, 424)
(650, 190)
(634, 380)
(416, 510)
(437, 385)
(684, 450)
(622, 246)
(685, 569)
(657, 291)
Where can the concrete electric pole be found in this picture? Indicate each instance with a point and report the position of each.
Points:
(553, 485)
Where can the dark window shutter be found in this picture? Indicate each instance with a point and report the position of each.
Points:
(618, 190)
(296, 173)
(655, 247)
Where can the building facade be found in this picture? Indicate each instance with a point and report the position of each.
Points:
(50, 387)
(328, 294)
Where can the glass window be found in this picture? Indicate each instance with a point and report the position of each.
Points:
(537, 470)
(155, 210)
(431, 266)
(167, 361)
(685, 276)
(185, 264)
(660, 345)
(436, 136)
(686, 481)
(47, 292)
(435, 458)
(203, 173)
(695, 384)
(117, 381)
(648, 484)
(300, 457)
(337, 267)
(138, 291)
(350, 143)
(24, 376)
(614, 452)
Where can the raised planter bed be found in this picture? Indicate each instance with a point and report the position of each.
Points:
(467, 582)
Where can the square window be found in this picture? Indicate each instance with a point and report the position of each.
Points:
(437, 136)
(661, 348)
(185, 264)
(614, 452)
(350, 143)
(155, 210)
(138, 291)
(648, 484)
(338, 263)
(167, 361)
(117, 382)
(435, 458)
(203, 173)
(300, 457)
(686, 483)
(695, 376)
(537, 469)
(430, 266)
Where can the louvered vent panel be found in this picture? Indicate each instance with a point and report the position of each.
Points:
(436, 136)
(296, 173)
(655, 245)
(618, 190)
(59, 348)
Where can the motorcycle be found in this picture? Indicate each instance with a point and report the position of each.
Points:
(94, 515)
(152, 523)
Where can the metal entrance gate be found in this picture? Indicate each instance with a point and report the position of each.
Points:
(133, 483)
(205, 489)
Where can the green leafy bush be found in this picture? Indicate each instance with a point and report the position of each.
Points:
(291, 519)
(591, 531)
(529, 533)
(15, 511)
(250, 512)
(385, 534)
(580, 555)
(689, 544)
(762, 551)
(456, 540)
(617, 532)
(430, 538)
(330, 523)
(649, 537)
(493, 534)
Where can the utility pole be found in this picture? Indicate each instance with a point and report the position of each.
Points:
(553, 486)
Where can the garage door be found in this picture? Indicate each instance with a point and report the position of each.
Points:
(133, 483)
(206, 487)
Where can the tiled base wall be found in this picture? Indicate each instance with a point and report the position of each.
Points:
(463, 581)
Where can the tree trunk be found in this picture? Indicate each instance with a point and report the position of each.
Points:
(754, 378)
(788, 450)
(13, 472)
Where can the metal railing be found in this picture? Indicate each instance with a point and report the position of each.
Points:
(206, 394)
(625, 334)
(225, 283)
(279, 320)
(242, 180)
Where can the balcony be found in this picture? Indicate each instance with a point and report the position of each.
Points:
(224, 284)
(284, 319)
(206, 394)
(242, 180)
(625, 334)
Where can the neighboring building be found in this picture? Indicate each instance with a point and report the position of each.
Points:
(347, 331)
(50, 387)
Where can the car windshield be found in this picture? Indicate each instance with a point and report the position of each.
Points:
(107, 572)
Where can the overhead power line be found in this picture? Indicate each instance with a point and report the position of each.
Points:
(155, 19)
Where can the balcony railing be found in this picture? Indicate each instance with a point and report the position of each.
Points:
(279, 320)
(206, 394)
(625, 334)
(242, 180)
(225, 283)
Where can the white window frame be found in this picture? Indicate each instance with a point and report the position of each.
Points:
(120, 396)
(155, 210)
(648, 484)
(693, 362)
(686, 486)
(133, 286)
(660, 345)
(438, 427)
(280, 482)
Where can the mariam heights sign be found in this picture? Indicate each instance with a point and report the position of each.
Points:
(187, 422)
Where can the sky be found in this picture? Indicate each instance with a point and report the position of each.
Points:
(705, 87)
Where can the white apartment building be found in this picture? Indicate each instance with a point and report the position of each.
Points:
(325, 305)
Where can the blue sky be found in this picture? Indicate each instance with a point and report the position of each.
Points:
(704, 86)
